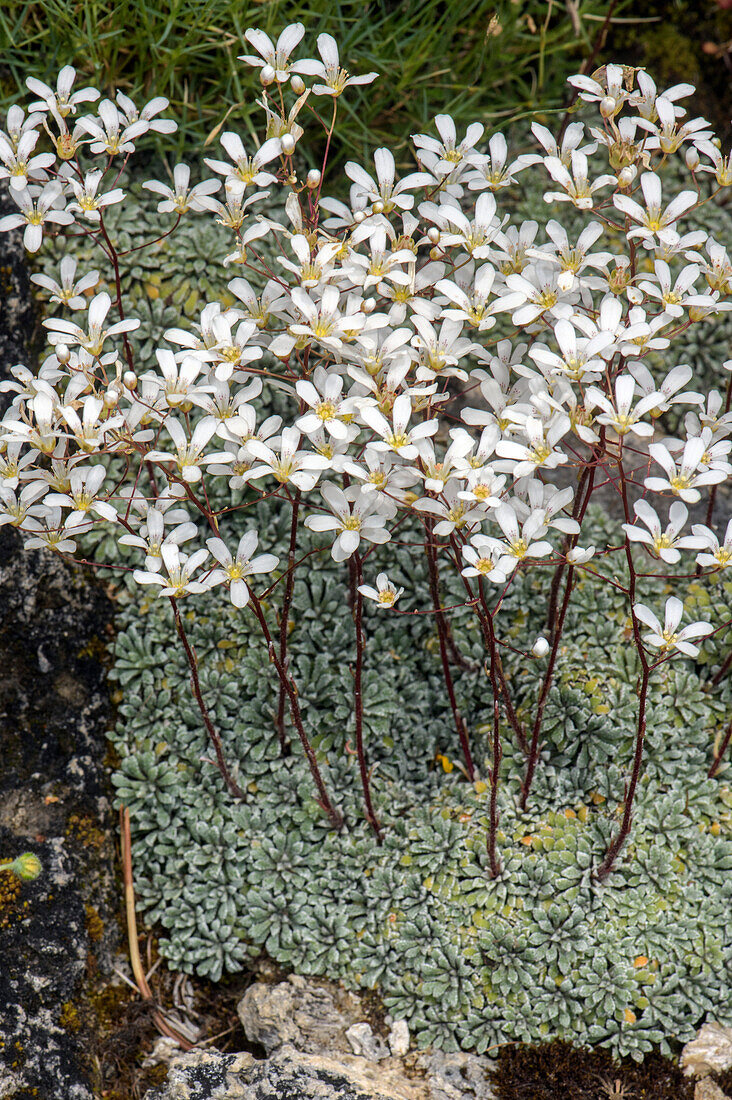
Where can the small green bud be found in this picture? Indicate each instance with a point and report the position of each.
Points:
(27, 866)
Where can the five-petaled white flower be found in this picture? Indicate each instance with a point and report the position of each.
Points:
(235, 568)
(668, 636)
(385, 594)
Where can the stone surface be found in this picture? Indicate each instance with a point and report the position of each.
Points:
(311, 1017)
(364, 1042)
(706, 1089)
(710, 1052)
(53, 794)
(286, 1075)
(399, 1038)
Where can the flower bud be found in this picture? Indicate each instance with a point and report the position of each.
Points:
(111, 398)
(377, 207)
(540, 648)
(287, 142)
(434, 253)
(608, 107)
(580, 554)
(627, 175)
(433, 235)
(129, 380)
(368, 305)
(266, 75)
(358, 217)
(63, 353)
(297, 84)
(313, 178)
(27, 866)
(692, 158)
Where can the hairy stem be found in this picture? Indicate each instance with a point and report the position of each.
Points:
(288, 683)
(442, 633)
(494, 861)
(719, 756)
(356, 578)
(285, 619)
(231, 785)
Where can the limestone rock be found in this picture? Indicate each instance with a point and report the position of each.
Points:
(456, 1076)
(364, 1042)
(399, 1038)
(286, 1075)
(710, 1052)
(311, 1017)
(706, 1089)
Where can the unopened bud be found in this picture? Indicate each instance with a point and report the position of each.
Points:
(358, 217)
(129, 380)
(287, 142)
(433, 235)
(111, 398)
(627, 175)
(27, 866)
(434, 253)
(692, 159)
(368, 305)
(266, 75)
(297, 84)
(377, 207)
(313, 178)
(540, 648)
(608, 107)
(63, 354)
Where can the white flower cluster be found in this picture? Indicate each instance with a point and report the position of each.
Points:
(376, 318)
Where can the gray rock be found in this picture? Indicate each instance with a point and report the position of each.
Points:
(311, 1017)
(287, 1075)
(456, 1076)
(710, 1052)
(364, 1042)
(399, 1038)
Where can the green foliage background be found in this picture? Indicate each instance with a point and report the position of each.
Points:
(487, 59)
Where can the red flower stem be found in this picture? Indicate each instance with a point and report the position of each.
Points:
(720, 754)
(231, 785)
(442, 633)
(285, 619)
(615, 846)
(544, 694)
(356, 578)
(288, 683)
(722, 670)
(495, 863)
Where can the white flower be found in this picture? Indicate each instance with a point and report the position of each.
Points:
(667, 637)
(482, 554)
(355, 516)
(246, 169)
(653, 219)
(67, 292)
(37, 206)
(154, 538)
(335, 79)
(82, 497)
(18, 164)
(237, 568)
(577, 187)
(277, 56)
(188, 455)
(110, 134)
(718, 555)
(448, 151)
(92, 338)
(385, 594)
(181, 197)
(180, 568)
(301, 468)
(663, 543)
(621, 417)
(397, 436)
(61, 97)
(540, 447)
(87, 202)
(684, 481)
(578, 555)
(494, 170)
(540, 648)
(323, 395)
(387, 194)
